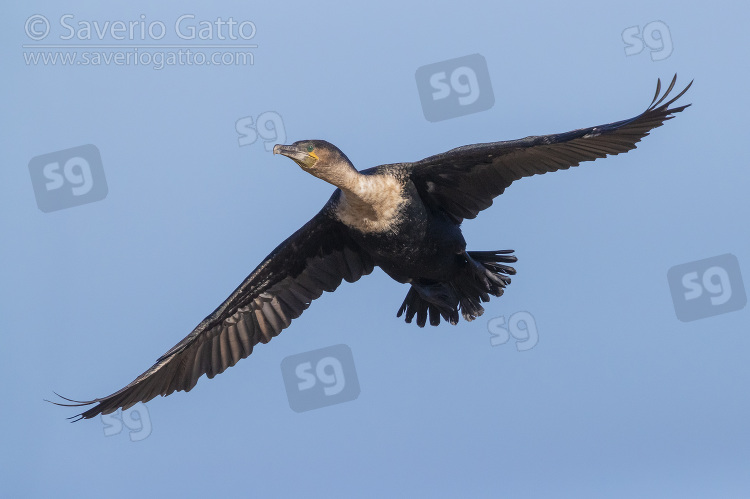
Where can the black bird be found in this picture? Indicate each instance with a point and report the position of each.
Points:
(405, 218)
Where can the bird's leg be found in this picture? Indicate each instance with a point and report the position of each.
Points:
(479, 270)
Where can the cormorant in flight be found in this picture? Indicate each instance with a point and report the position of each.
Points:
(404, 218)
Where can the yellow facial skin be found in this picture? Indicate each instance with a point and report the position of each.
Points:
(304, 158)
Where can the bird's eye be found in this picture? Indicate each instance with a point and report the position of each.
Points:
(310, 148)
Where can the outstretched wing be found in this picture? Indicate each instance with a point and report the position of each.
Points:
(463, 181)
(314, 259)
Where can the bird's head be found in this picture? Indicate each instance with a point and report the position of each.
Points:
(319, 158)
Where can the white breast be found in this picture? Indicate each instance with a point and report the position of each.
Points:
(373, 205)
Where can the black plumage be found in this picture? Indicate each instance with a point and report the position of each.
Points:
(404, 218)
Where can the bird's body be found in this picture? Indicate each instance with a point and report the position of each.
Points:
(404, 237)
(404, 218)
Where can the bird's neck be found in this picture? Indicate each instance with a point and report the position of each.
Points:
(358, 189)
(370, 197)
(344, 176)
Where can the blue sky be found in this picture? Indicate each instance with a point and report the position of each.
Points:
(617, 397)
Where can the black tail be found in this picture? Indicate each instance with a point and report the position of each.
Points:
(485, 274)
